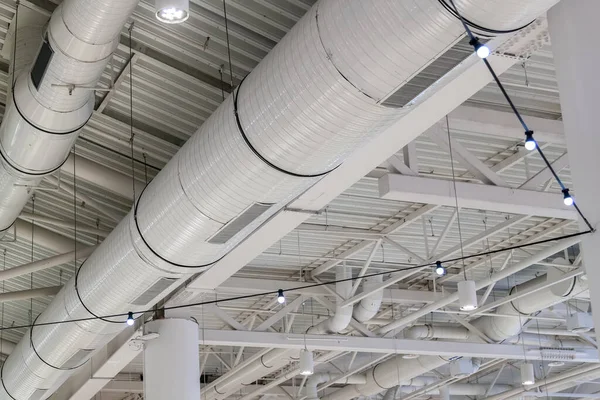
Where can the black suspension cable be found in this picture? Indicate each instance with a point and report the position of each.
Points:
(528, 132)
(297, 288)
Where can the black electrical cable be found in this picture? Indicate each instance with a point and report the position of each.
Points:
(528, 132)
(476, 26)
(292, 290)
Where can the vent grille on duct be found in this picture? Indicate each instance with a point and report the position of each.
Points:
(159, 286)
(238, 223)
(41, 63)
(430, 74)
(77, 359)
(38, 394)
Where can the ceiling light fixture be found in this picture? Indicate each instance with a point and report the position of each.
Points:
(280, 296)
(467, 295)
(527, 375)
(172, 11)
(530, 143)
(567, 199)
(307, 364)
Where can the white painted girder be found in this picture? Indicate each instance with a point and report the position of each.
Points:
(242, 286)
(475, 196)
(382, 345)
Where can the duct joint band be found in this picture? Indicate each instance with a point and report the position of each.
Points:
(139, 230)
(21, 171)
(489, 32)
(2, 381)
(263, 363)
(375, 379)
(215, 387)
(257, 153)
(40, 357)
(83, 304)
(42, 129)
(330, 58)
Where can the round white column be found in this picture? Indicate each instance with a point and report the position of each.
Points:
(573, 26)
(171, 361)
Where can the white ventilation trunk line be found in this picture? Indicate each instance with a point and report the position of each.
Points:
(304, 109)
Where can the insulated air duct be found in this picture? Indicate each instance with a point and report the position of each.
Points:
(51, 100)
(387, 374)
(310, 103)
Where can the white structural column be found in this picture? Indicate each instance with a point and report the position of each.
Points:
(574, 29)
(171, 367)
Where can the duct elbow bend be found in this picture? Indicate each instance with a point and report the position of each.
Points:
(369, 306)
(313, 382)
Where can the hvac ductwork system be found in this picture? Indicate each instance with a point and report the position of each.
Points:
(311, 102)
(387, 374)
(51, 100)
(363, 311)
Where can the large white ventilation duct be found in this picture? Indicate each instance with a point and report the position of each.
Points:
(298, 115)
(501, 328)
(49, 105)
(387, 374)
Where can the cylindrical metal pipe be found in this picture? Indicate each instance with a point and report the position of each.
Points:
(29, 293)
(50, 262)
(171, 367)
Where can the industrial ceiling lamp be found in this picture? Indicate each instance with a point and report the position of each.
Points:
(307, 365)
(527, 375)
(172, 11)
(467, 295)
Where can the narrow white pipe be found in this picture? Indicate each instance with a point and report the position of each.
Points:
(101, 176)
(29, 294)
(316, 379)
(63, 224)
(46, 263)
(437, 332)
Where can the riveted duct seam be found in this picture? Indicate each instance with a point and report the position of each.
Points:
(305, 108)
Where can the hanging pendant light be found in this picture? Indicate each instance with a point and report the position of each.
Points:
(467, 295)
(527, 375)
(307, 364)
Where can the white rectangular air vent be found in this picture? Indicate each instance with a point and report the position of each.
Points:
(238, 223)
(157, 288)
(76, 360)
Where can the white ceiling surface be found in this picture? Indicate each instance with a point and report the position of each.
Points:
(177, 86)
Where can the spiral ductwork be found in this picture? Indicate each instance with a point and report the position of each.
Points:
(310, 103)
(50, 100)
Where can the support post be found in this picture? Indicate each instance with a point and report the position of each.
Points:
(171, 367)
(573, 27)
